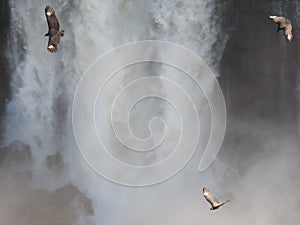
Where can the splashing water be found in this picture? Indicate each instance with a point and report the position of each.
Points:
(44, 84)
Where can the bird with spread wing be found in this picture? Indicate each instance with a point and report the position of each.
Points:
(54, 33)
(283, 24)
(212, 199)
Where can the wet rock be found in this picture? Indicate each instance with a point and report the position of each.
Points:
(65, 205)
(17, 153)
(20, 204)
(55, 162)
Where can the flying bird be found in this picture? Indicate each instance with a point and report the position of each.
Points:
(54, 33)
(283, 24)
(212, 199)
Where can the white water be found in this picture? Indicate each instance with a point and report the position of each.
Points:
(44, 84)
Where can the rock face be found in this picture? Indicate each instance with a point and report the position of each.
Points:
(66, 205)
(4, 78)
(259, 75)
(20, 204)
(17, 153)
(55, 162)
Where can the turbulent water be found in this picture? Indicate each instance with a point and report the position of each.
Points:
(43, 86)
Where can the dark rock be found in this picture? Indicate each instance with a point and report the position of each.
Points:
(4, 67)
(17, 153)
(55, 162)
(20, 204)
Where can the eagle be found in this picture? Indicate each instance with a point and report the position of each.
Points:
(212, 199)
(283, 24)
(54, 33)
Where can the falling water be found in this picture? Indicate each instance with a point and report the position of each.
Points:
(259, 161)
(43, 84)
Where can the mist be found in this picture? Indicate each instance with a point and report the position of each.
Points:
(44, 177)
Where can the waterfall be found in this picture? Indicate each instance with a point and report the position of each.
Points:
(43, 84)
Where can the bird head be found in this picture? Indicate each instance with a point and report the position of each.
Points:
(290, 37)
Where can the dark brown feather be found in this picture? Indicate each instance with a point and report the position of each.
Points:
(52, 21)
(53, 29)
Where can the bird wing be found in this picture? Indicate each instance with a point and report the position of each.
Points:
(53, 42)
(210, 198)
(282, 21)
(52, 21)
(277, 19)
(288, 29)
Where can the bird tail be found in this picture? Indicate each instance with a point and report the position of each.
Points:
(225, 202)
(61, 33)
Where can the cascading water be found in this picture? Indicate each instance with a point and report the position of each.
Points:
(259, 162)
(43, 84)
